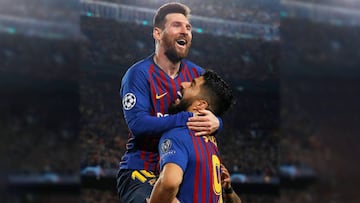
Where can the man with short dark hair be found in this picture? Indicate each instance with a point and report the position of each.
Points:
(190, 165)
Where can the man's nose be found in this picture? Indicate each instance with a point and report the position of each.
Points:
(184, 85)
(185, 30)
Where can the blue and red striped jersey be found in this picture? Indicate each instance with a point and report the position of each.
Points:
(199, 159)
(146, 92)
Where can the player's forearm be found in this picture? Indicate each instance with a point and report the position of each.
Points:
(145, 125)
(163, 193)
(231, 198)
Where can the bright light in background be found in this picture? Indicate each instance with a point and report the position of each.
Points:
(283, 14)
(11, 30)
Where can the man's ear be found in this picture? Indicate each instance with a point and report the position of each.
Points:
(156, 33)
(202, 104)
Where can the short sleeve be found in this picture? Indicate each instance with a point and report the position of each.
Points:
(173, 148)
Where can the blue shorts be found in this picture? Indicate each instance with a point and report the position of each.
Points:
(134, 186)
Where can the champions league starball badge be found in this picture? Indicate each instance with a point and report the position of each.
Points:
(129, 101)
(165, 145)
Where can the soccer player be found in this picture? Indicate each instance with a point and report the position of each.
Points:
(147, 90)
(190, 165)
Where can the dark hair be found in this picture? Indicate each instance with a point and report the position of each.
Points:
(174, 7)
(217, 92)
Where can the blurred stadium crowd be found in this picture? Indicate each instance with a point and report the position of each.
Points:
(39, 115)
(258, 11)
(318, 95)
(60, 11)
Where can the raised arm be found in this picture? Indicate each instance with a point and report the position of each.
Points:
(136, 102)
(137, 106)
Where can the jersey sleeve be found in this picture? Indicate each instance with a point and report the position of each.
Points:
(220, 126)
(173, 147)
(136, 102)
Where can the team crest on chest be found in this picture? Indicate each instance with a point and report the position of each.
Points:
(129, 101)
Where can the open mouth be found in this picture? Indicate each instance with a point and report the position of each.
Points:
(179, 95)
(181, 42)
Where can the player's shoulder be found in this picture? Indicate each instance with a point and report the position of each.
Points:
(139, 69)
(191, 64)
(178, 133)
(142, 65)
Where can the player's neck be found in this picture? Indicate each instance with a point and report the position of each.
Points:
(166, 65)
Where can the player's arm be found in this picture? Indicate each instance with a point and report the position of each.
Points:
(135, 94)
(173, 161)
(205, 123)
(167, 186)
(229, 194)
(136, 101)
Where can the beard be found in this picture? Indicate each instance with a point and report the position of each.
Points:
(173, 56)
(171, 52)
(182, 106)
